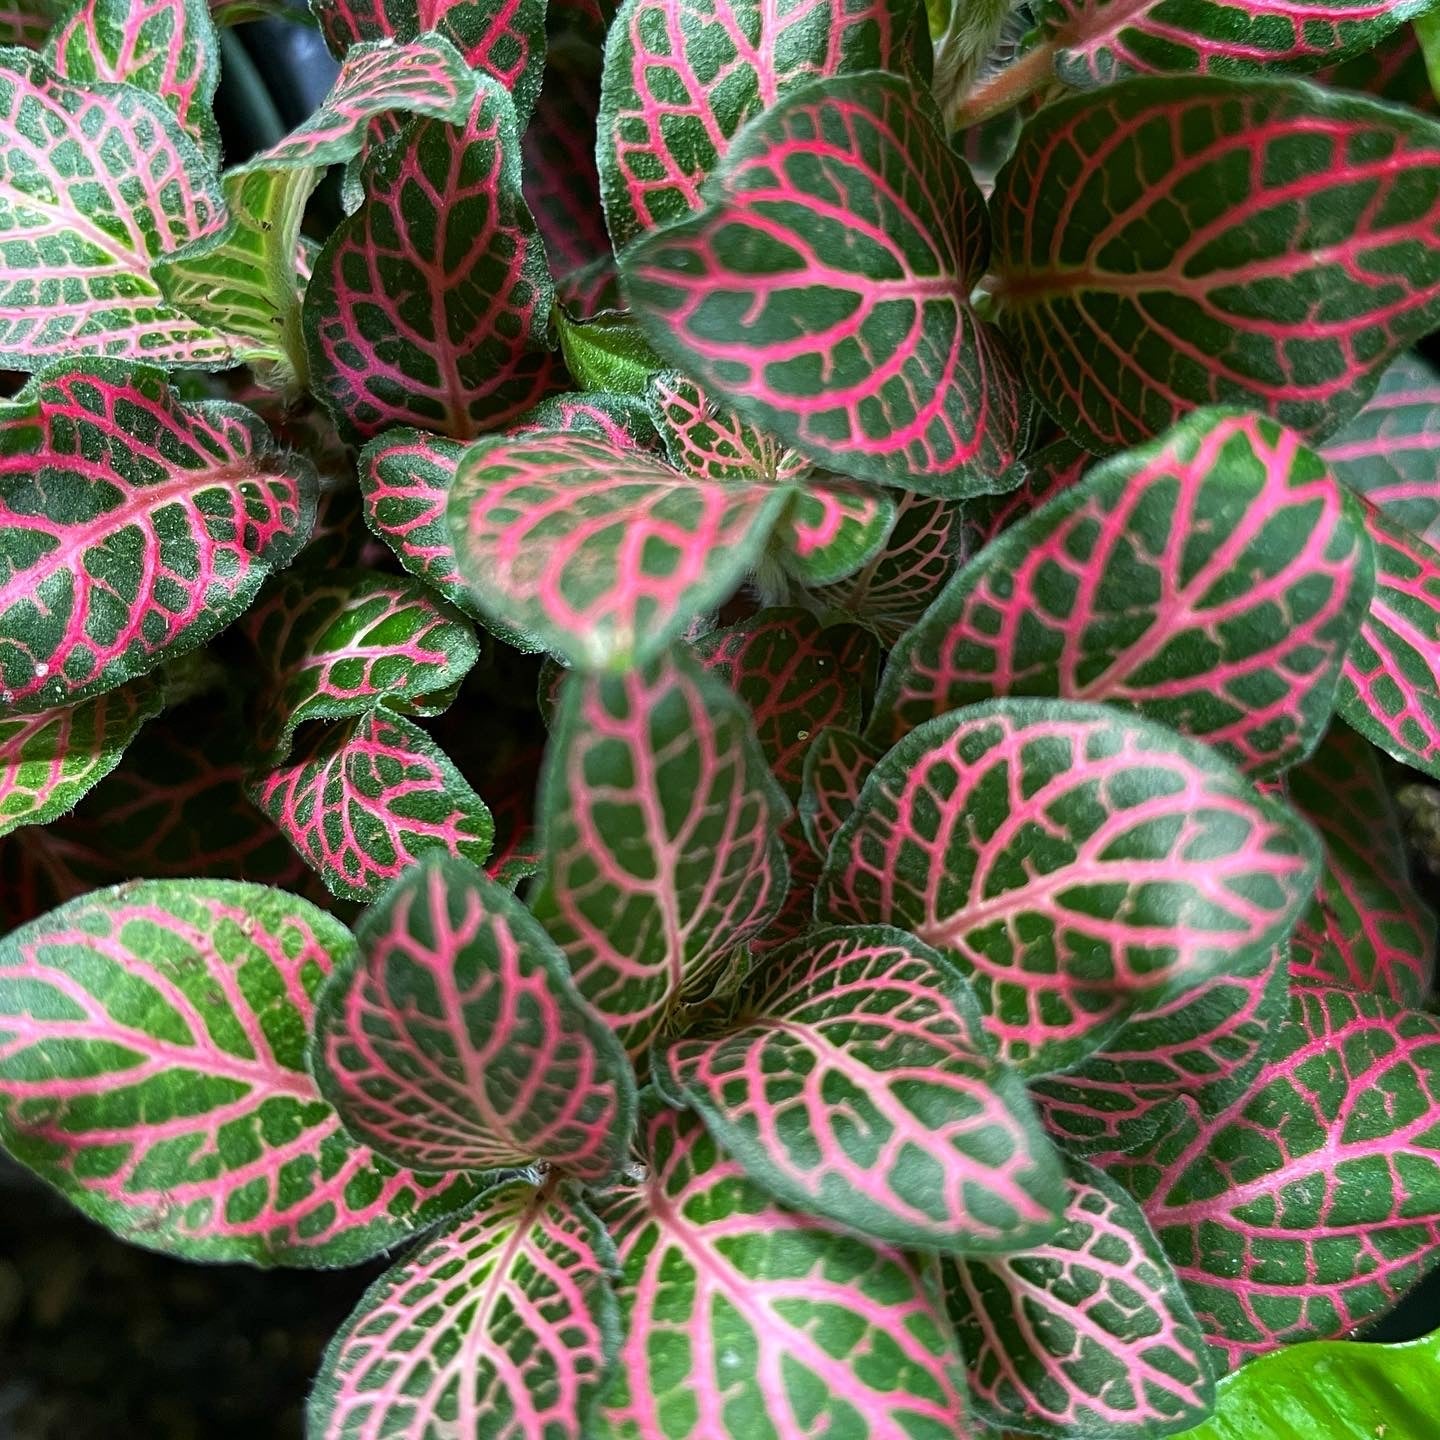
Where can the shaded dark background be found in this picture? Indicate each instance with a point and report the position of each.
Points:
(103, 1341)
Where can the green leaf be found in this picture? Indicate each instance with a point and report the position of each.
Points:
(608, 352)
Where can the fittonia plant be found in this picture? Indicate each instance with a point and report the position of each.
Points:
(751, 720)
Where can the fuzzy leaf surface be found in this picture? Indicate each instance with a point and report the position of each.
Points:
(434, 1346)
(837, 765)
(1086, 1333)
(133, 527)
(1211, 580)
(600, 552)
(858, 1085)
(457, 1042)
(844, 189)
(1313, 1200)
(1079, 863)
(659, 819)
(830, 1330)
(152, 1068)
(1181, 241)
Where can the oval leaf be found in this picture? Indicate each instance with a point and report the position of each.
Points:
(457, 1042)
(837, 765)
(152, 1068)
(1079, 863)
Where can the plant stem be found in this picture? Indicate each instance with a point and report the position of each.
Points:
(1009, 87)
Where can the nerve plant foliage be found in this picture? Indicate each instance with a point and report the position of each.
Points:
(752, 717)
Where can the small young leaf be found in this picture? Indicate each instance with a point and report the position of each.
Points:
(837, 765)
(744, 1318)
(1211, 580)
(892, 378)
(430, 305)
(132, 527)
(1313, 1200)
(434, 1348)
(600, 552)
(858, 1085)
(1080, 864)
(1367, 928)
(363, 800)
(683, 76)
(457, 1041)
(1390, 686)
(152, 1068)
(1257, 242)
(346, 643)
(50, 759)
(659, 818)
(1086, 1333)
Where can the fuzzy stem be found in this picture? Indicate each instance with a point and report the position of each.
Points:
(1005, 89)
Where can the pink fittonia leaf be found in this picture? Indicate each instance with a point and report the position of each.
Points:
(683, 76)
(433, 1347)
(152, 1067)
(857, 1084)
(1208, 1045)
(796, 676)
(623, 420)
(167, 48)
(1086, 1333)
(1268, 245)
(1394, 70)
(504, 39)
(36, 875)
(745, 1318)
(1390, 452)
(1080, 863)
(50, 759)
(1096, 42)
(600, 552)
(897, 585)
(1048, 471)
(831, 527)
(1313, 1200)
(844, 188)
(457, 1042)
(591, 291)
(362, 801)
(430, 305)
(1366, 928)
(659, 816)
(837, 765)
(345, 642)
(1390, 686)
(132, 527)
(98, 182)
(27, 22)
(1211, 580)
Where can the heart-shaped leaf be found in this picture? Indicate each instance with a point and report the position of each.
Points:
(1312, 1201)
(898, 584)
(165, 47)
(433, 1346)
(659, 816)
(48, 760)
(1388, 451)
(1086, 1333)
(457, 1042)
(132, 527)
(893, 378)
(100, 181)
(363, 800)
(1258, 243)
(505, 41)
(152, 1068)
(1366, 928)
(598, 551)
(1208, 1045)
(1390, 686)
(859, 1085)
(1212, 580)
(745, 1318)
(340, 646)
(430, 305)
(837, 764)
(683, 76)
(1079, 863)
